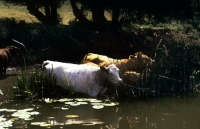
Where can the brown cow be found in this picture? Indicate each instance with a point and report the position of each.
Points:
(135, 62)
(6, 55)
(128, 77)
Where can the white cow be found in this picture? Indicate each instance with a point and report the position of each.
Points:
(85, 79)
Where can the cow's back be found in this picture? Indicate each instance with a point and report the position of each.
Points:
(100, 60)
(77, 75)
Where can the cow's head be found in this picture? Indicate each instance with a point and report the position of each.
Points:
(113, 74)
(141, 58)
(131, 77)
(13, 50)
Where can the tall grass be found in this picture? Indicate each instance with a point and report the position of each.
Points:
(36, 84)
(176, 67)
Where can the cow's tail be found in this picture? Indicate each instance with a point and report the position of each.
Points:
(85, 57)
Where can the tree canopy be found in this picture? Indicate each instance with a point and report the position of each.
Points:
(136, 11)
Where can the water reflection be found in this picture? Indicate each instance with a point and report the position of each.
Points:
(175, 112)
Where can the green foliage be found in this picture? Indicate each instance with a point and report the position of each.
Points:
(140, 11)
(176, 67)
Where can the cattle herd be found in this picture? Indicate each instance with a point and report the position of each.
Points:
(91, 77)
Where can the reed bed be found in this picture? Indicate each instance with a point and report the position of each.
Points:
(176, 67)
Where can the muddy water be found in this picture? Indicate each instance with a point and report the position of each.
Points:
(174, 112)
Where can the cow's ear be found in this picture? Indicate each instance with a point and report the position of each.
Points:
(139, 55)
(104, 69)
(132, 57)
(44, 64)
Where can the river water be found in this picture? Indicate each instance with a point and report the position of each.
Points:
(164, 112)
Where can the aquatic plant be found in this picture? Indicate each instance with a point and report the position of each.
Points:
(36, 84)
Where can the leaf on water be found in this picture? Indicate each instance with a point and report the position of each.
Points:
(88, 124)
(74, 103)
(81, 99)
(83, 102)
(2, 119)
(33, 113)
(64, 108)
(11, 110)
(38, 123)
(24, 116)
(65, 99)
(3, 109)
(5, 124)
(95, 101)
(47, 100)
(27, 119)
(72, 116)
(97, 106)
(46, 125)
(116, 103)
(1, 92)
(13, 119)
(97, 122)
(109, 104)
(91, 99)
(28, 109)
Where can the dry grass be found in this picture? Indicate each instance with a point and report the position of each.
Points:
(21, 13)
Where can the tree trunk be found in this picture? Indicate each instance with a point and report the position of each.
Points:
(98, 15)
(77, 13)
(115, 14)
(34, 11)
(115, 17)
(54, 14)
(50, 17)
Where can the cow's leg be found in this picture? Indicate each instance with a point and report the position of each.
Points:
(4, 69)
(1, 71)
(93, 91)
(103, 91)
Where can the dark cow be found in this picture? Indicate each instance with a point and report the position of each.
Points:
(6, 55)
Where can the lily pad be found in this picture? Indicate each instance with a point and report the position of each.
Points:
(38, 123)
(109, 104)
(72, 116)
(64, 99)
(97, 106)
(46, 125)
(3, 109)
(64, 108)
(95, 101)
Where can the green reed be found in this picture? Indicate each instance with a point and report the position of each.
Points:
(36, 84)
(176, 68)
